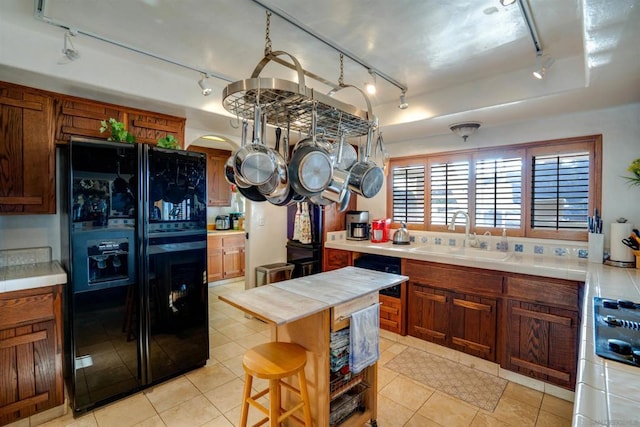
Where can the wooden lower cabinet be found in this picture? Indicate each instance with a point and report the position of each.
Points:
(334, 259)
(225, 255)
(30, 352)
(233, 256)
(528, 324)
(467, 323)
(214, 258)
(391, 314)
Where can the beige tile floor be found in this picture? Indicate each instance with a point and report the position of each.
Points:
(210, 396)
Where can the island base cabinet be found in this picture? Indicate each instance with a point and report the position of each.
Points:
(542, 342)
(313, 333)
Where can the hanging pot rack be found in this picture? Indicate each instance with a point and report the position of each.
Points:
(286, 101)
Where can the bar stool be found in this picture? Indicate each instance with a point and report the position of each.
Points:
(275, 361)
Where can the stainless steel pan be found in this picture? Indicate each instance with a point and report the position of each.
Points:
(366, 177)
(254, 163)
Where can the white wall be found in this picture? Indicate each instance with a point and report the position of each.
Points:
(620, 129)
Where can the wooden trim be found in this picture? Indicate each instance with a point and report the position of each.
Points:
(154, 126)
(389, 323)
(472, 305)
(563, 376)
(388, 309)
(83, 113)
(23, 339)
(430, 332)
(27, 200)
(24, 403)
(565, 321)
(12, 102)
(472, 345)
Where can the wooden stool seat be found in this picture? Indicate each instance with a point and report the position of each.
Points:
(275, 361)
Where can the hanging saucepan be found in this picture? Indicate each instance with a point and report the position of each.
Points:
(247, 190)
(338, 186)
(277, 190)
(366, 177)
(253, 163)
(310, 168)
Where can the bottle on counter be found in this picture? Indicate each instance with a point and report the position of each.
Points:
(503, 244)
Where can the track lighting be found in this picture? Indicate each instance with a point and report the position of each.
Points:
(507, 2)
(206, 90)
(541, 70)
(403, 105)
(370, 86)
(69, 49)
(464, 130)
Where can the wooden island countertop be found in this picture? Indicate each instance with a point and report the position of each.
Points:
(291, 300)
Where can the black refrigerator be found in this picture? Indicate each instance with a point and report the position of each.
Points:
(134, 242)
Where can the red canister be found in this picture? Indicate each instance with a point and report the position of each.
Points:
(380, 230)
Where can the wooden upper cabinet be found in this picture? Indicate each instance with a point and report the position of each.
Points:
(27, 151)
(218, 189)
(82, 117)
(149, 127)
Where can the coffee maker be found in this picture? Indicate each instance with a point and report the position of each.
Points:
(357, 225)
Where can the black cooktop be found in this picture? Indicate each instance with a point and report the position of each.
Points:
(617, 330)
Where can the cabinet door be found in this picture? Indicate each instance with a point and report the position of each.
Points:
(214, 258)
(391, 314)
(473, 325)
(428, 313)
(82, 117)
(218, 189)
(149, 127)
(27, 158)
(542, 342)
(233, 256)
(335, 259)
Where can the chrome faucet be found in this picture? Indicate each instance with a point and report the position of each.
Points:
(452, 225)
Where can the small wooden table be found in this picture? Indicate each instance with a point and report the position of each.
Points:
(305, 311)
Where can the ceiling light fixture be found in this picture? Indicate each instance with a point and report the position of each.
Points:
(465, 130)
(69, 49)
(370, 86)
(206, 90)
(403, 105)
(542, 67)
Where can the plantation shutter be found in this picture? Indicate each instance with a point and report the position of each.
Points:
(408, 194)
(498, 193)
(560, 191)
(449, 186)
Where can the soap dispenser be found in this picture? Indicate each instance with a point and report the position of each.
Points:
(503, 245)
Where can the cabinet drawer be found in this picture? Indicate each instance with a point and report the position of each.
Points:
(461, 279)
(233, 241)
(26, 309)
(340, 313)
(214, 242)
(555, 292)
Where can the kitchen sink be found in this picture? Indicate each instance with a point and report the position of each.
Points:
(469, 253)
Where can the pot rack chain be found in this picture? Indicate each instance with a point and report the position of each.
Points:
(267, 38)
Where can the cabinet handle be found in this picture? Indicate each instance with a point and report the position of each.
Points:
(472, 305)
(565, 321)
(432, 297)
(21, 200)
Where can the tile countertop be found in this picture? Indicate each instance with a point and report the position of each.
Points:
(224, 232)
(34, 275)
(607, 392)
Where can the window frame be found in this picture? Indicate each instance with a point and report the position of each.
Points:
(589, 143)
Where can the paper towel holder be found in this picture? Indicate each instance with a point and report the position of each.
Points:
(623, 264)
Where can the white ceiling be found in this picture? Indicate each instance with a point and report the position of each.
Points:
(460, 59)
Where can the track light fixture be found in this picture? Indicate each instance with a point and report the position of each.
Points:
(69, 49)
(465, 130)
(542, 67)
(206, 90)
(370, 86)
(403, 105)
(507, 2)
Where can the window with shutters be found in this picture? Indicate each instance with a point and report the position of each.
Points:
(448, 190)
(408, 193)
(543, 189)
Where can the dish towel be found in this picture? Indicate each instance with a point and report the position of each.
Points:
(364, 331)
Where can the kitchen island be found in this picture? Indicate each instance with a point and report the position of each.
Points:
(305, 311)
